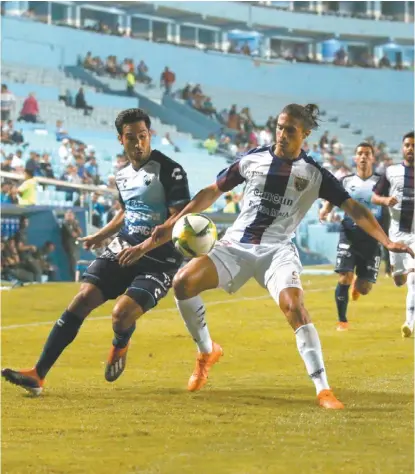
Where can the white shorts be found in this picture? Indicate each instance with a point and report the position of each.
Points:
(274, 268)
(402, 262)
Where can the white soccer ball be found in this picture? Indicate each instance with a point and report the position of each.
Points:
(194, 235)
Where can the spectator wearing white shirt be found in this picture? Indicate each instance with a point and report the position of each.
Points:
(8, 102)
(264, 137)
(17, 161)
(64, 152)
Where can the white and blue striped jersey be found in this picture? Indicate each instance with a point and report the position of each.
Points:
(398, 181)
(146, 195)
(278, 193)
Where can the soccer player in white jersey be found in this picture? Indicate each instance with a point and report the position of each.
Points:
(282, 183)
(396, 191)
(356, 251)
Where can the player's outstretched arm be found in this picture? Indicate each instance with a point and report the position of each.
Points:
(367, 221)
(115, 224)
(163, 233)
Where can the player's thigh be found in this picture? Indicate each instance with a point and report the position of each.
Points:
(283, 271)
(402, 263)
(148, 288)
(109, 277)
(367, 271)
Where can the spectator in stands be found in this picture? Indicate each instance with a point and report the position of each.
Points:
(233, 119)
(111, 183)
(26, 252)
(98, 210)
(384, 62)
(43, 255)
(16, 136)
(186, 92)
(5, 135)
(324, 141)
(61, 133)
(264, 137)
(89, 63)
(91, 168)
(116, 206)
(142, 73)
(27, 190)
(111, 66)
(6, 164)
(121, 162)
(207, 107)
(30, 110)
(231, 206)
(46, 167)
(167, 80)
(10, 263)
(5, 193)
(71, 231)
(130, 78)
(66, 98)
(340, 58)
(211, 144)
(65, 152)
(8, 103)
(342, 171)
(80, 102)
(17, 161)
(33, 164)
(246, 49)
(315, 154)
(14, 194)
(271, 124)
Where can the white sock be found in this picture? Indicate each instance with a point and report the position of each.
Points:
(410, 300)
(193, 314)
(309, 347)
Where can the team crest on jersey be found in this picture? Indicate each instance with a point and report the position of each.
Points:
(300, 183)
(147, 180)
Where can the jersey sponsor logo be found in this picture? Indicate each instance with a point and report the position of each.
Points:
(268, 211)
(253, 174)
(300, 183)
(139, 229)
(274, 198)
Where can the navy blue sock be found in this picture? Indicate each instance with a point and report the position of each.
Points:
(342, 300)
(63, 333)
(121, 338)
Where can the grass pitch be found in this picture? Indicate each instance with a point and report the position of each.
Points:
(258, 413)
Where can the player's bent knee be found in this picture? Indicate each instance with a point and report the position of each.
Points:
(363, 287)
(345, 278)
(183, 285)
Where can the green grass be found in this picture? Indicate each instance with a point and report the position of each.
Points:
(258, 413)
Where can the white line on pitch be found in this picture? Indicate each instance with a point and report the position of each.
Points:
(160, 310)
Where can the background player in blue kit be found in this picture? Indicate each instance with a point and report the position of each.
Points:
(356, 251)
(152, 188)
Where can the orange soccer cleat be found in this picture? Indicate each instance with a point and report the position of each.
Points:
(354, 292)
(26, 378)
(116, 363)
(326, 399)
(342, 326)
(203, 363)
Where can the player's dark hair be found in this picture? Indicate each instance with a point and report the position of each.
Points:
(408, 135)
(366, 145)
(29, 172)
(308, 114)
(131, 116)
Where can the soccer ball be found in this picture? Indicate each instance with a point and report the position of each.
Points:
(194, 235)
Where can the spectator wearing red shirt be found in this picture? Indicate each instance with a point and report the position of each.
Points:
(167, 80)
(30, 110)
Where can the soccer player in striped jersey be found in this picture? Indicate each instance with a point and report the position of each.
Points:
(356, 250)
(282, 183)
(396, 191)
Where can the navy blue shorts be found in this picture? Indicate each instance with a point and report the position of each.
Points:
(359, 257)
(145, 283)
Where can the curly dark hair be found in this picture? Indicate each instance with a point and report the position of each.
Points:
(131, 116)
